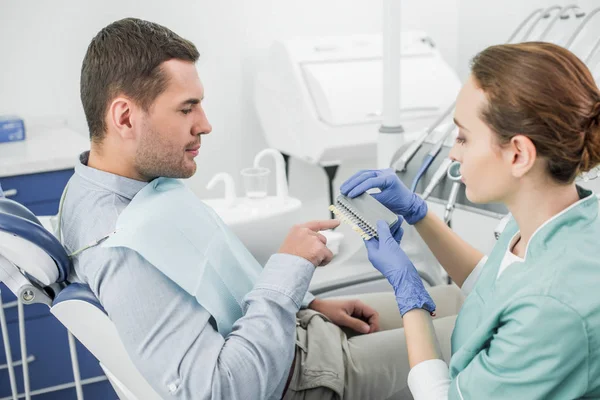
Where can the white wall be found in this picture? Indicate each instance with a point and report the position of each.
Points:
(42, 45)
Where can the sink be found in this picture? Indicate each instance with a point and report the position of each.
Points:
(261, 225)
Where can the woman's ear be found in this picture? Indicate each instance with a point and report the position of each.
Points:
(521, 154)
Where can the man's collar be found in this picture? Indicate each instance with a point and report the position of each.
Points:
(121, 185)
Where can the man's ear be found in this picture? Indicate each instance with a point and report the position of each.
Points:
(120, 117)
(521, 154)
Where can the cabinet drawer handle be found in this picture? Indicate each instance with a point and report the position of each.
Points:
(10, 192)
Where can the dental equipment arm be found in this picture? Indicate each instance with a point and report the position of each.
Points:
(591, 54)
(596, 46)
(428, 160)
(544, 14)
(579, 29)
(409, 153)
(436, 178)
(561, 15)
(523, 24)
(451, 203)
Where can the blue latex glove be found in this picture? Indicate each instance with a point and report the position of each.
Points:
(394, 195)
(396, 229)
(386, 255)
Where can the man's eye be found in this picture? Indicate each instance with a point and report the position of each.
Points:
(186, 111)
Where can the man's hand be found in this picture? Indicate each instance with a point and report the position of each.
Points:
(305, 241)
(353, 314)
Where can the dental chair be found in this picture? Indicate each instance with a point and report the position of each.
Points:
(35, 267)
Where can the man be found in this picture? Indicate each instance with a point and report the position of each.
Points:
(142, 98)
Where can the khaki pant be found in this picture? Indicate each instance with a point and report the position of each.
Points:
(333, 364)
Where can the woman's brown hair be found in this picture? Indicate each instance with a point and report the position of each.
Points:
(542, 91)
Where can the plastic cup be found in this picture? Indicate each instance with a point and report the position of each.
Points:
(256, 182)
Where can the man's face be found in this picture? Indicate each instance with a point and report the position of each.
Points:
(169, 137)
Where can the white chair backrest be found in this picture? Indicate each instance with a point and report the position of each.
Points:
(92, 327)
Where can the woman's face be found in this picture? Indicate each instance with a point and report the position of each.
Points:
(485, 169)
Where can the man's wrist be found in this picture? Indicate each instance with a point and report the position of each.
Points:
(307, 300)
(314, 304)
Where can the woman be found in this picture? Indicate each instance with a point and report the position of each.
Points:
(528, 121)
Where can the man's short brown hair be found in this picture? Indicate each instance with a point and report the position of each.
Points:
(125, 58)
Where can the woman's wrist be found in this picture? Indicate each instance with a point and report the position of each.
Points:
(417, 211)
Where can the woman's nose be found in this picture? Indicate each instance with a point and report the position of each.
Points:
(454, 154)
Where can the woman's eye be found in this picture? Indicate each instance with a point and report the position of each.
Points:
(460, 140)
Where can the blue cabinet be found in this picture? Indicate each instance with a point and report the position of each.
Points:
(47, 344)
(46, 337)
(39, 192)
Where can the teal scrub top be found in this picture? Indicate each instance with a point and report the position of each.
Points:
(534, 333)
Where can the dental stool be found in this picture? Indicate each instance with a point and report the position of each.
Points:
(35, 267)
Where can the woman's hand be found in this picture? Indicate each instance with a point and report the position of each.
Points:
(394, 195)
(388, 258)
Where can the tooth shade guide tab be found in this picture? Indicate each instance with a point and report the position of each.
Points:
(362, 213)
(358, 226)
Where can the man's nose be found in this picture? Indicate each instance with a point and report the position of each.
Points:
(203, 127)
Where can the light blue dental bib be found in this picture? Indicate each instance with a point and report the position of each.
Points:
(187, 241)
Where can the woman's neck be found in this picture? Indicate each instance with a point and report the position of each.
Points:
(535, 205)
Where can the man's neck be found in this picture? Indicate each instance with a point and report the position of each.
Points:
(533, 206)
(112, 162)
